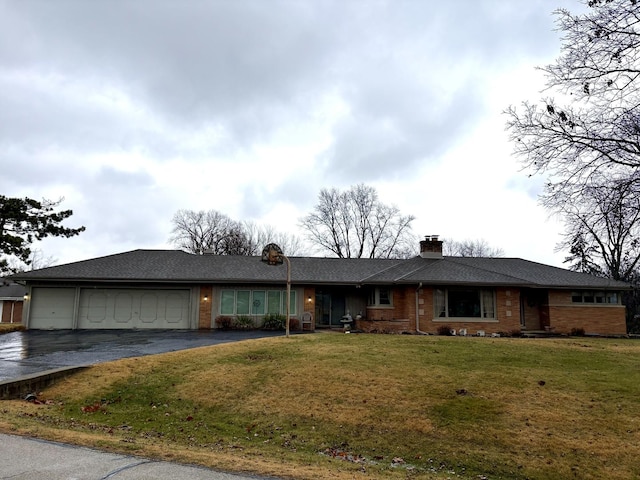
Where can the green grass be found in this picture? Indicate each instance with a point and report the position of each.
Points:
(380, 406)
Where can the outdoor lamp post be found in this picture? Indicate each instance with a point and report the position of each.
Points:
(272, 255)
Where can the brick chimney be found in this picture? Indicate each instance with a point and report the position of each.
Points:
(431, 247)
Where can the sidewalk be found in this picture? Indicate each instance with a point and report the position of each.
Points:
(23, 458)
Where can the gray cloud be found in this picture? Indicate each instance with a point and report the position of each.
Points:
(124, 207)
(206, 83)
(238, 66)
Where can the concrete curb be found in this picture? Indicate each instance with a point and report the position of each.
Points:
(22, 386)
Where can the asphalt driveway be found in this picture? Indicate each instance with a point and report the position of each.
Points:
(33, 351)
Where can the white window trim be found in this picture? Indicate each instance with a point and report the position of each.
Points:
(376, 296)
(594, 293)
(282, 307)
(480, 319)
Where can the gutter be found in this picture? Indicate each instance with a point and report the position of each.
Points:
(418, 312)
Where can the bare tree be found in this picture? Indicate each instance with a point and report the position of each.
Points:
(355, 224)
(603, 229)
(261, 235)
(205, 231)
(470, 248)
(37, 260)
(597, 72)
(214, 232)
(588, 143)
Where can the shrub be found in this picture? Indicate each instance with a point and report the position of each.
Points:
(294, 324)
(243, 322)
(444, 330)
(274, 321)
(224, 322)
(577, 332)
(515, 333)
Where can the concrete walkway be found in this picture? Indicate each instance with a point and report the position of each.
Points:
(26, 458)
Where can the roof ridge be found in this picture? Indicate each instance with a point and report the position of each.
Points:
(395, 264)
(420, 267)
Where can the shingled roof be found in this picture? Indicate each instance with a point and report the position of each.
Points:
(11, 291)
(173, 266)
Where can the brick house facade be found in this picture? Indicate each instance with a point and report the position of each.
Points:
(423, 294)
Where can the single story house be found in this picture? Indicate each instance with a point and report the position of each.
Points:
(11, 301)
(169, 289)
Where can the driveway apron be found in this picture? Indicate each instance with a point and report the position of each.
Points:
(33, 351)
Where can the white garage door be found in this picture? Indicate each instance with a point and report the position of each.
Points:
(132, 308)
(51, 308)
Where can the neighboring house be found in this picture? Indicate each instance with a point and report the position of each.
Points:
(11, 301)
(173, 289)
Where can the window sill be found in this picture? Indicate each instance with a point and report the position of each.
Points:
(587, 304)
(380, 307)
(400, 320)
(464, 320)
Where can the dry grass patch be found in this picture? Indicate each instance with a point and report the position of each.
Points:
(339, 406)
(10, 327)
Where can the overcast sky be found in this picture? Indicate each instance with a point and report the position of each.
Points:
(131, 110)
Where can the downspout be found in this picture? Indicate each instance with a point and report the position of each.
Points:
(418, 311)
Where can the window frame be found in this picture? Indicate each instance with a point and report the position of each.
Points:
(596, 297)
(486, 302)
(375, 296)
(271, 302)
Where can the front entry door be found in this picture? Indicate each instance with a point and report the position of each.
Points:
(530, 303)
(330, 308)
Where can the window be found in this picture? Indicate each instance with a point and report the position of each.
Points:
(380, 297)
(384, 296)
(464, 303)
(600, 297)
(256, 302)
(227, 302)
(273, 302)
(242, 302)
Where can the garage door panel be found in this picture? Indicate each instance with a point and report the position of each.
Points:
(149, 305)
(176, 309)
(96, 313)
(136, 308)
(51, 308)
(123, 308)
(97, 310)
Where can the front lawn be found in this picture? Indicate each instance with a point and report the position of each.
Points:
(362, 406)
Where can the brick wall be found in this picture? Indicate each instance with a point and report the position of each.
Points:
(507, 305)
(385, 326)
(399, 318)
(402, 317)
(561, 314)
(601, 319)
(204, 317)
(309, 306)
(508, 309)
